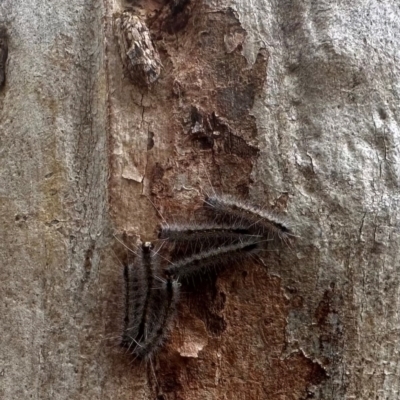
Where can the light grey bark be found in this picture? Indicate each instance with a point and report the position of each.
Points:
(331, 122)
(53, 200)
(77, 155)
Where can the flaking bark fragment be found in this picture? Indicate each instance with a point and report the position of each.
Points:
(138, 54)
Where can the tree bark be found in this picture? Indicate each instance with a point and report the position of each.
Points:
(289, 105)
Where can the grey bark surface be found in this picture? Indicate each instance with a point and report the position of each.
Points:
(303, 97)
(53, 200)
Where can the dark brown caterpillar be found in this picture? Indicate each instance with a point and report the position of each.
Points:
(267, 223)
(149, 306)
(215, 258)
(162, 313)
(138, 278)
(192, 238)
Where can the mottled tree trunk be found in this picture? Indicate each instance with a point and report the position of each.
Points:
(290, 105)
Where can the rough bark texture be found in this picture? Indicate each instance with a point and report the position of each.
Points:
(53, 201)
(290, 104)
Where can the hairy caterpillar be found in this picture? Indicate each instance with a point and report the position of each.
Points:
(151, 269)
(162, 315)
(150, 304)
(189, 232)
(138, 278)
(189, 238)
(227, 209)
(135, 297)
(213, 258)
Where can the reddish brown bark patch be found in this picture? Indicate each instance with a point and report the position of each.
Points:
(246, 360)
(212, 89)
(230, 340)
(196, 118)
